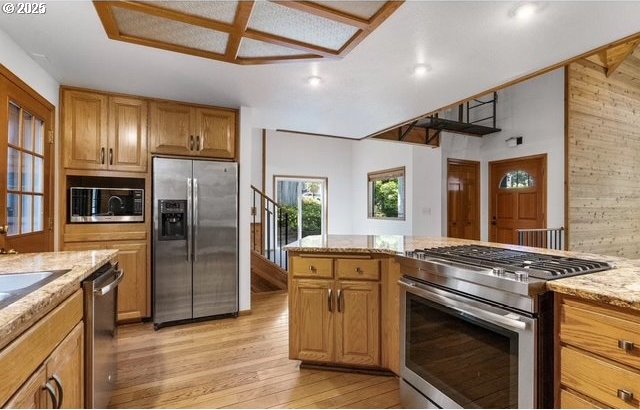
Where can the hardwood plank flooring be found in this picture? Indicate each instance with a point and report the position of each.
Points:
(234, 363)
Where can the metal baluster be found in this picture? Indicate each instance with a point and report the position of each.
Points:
(286, 237)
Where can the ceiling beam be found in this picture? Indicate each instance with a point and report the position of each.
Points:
(381, 15)
(408, 130)
(108, 20)
(243, 14)
(326, 12)
(290, 43)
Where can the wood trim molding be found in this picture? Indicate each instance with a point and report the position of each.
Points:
(6, 73)
(239, 29)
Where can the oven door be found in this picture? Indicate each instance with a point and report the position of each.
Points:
(463, 353)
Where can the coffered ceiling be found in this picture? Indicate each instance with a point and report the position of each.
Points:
(246, 32)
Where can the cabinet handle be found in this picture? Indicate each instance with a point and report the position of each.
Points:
(52, 394)
(190, 142)
(312, 268)
(359, 271)
(201, 140)
(102, 155)
(330, 301)
(110, 156)
(56, 379)
(626, 345)
(340, 301)
(197, 143)
(625, 395)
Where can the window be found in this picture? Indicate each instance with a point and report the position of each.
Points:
(304, 199)
(387, 194)
(517, 179)
(25, 172)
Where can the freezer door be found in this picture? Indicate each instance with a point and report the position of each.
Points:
(215, 258)
(172, 281)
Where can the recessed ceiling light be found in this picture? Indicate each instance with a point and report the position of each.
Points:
(524, 11)
(314, 81)
(421, 69)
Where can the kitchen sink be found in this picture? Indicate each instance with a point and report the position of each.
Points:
(14, 286)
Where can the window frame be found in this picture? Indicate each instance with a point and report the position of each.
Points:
(382, 175)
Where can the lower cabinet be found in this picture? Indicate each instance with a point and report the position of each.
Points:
(335, 321)
(32, 394)
(133, 291)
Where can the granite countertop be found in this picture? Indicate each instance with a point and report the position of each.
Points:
(619, 286)
(24, 312)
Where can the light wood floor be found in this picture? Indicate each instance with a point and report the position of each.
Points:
(234, 363)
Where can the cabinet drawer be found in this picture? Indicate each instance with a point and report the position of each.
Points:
(358, 269)
(592, 329)
(599, 379)
(312, 267)
(569, 400)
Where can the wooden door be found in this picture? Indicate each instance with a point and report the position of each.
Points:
(358, 323)
(133, 291)
(31, 395)
(463, 199)
(127, 134)
(215, 133)
(26, 168)
(67, 365)
(517, 197)
(311, 323)
(84, 129)
(171, 129)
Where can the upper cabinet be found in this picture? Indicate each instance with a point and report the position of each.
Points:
(179, 129)
(103, 132)
(84, 129)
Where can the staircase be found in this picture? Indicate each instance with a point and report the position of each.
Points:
(269, 234)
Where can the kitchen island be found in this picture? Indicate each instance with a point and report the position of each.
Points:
(41, 332)
(345, 311)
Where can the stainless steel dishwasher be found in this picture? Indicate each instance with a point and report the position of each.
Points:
(100, 298)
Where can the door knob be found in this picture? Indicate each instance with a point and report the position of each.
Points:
(4, 229)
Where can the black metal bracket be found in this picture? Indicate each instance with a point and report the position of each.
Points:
(408, 130)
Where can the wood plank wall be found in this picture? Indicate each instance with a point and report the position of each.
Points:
(603, 158)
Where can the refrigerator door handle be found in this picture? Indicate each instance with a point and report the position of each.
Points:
(189, 218)
(196, 221)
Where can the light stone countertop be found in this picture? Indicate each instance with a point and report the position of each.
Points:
(24, 312)
(619, 286)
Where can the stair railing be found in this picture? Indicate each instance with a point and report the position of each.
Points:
(270, 228)
(549, 238)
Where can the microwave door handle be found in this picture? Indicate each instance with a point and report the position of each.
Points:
(189, 217)
(196, 221)
(460, 307)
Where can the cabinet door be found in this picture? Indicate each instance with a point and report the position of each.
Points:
(311, 323)
(31, 395)
(133, 290)
(66, 364)
(215, 133)
(84, 130)
(170, 129)
(127, 134)
(358, 323)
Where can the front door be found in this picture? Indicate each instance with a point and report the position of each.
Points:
(26, 177)
(463, 199)
(517, 197)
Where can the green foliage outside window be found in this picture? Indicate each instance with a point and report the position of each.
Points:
(385, 198)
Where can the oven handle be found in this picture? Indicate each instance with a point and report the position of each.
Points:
(461, 307)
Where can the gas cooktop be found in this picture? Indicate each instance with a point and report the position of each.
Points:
(521, 264)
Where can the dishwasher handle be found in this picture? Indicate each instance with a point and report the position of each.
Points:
(112, 285)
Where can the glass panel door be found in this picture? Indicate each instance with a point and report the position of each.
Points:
(304, 202)
(474, 363)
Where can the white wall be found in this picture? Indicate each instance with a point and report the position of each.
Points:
(533, 110)
(310, 156)
(16, 60)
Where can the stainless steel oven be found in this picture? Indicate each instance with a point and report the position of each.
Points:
(461, 352)
(91, 205)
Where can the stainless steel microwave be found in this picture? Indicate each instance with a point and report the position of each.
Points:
(91, 205)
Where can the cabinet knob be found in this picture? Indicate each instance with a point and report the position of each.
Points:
(312, 268)
(625, 395)
(626, 345)
(359, 271)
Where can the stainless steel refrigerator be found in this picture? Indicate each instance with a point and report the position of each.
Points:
(195, 239)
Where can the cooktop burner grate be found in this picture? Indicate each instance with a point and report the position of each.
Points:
(537, 265)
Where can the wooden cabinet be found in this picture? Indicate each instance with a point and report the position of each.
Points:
(598, 350)
(358, 323)
(65, 368)
(103, 132)
(179, 129)
(334, 321)
(134, 291)
(127, 147)
(31, 394)
(84, 129)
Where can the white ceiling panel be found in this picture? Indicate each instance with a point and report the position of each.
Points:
(254, 48)
(224, 11)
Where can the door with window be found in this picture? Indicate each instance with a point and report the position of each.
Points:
(517, 197)
(26, 178)
(303, 207)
